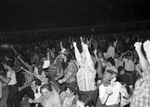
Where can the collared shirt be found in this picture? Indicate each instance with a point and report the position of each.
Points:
(141, 94)
(86, 72)
(113, 98)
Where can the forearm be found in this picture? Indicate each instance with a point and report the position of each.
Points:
(143, 62)
(55, 61)
(6, 80)
(23, 62)
(96, 57)
(66, 77)
(78, 55)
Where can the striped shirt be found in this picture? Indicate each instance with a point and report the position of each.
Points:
(17, 65)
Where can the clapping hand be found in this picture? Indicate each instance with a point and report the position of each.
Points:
(109, 91)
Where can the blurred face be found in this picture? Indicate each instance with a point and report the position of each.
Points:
(43, 74)
(106, 78)
(99, 54)
(113, 80)
(122, 72)
(45, 92)
(33, 86)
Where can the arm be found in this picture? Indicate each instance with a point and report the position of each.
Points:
(143, 62)
(6, 80)
(14, 49)
(147, 49)
(115, 43)
(27, 65)
(61, 46)
(77, 54)
(29, 72)
(87, 54)
(55, 61)
(95, 53)
(124, 92)
(39, 100)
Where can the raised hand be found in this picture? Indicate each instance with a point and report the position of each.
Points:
(138, 45)
(60, 81)
(81, 39)
(95, 51)
(74, 44)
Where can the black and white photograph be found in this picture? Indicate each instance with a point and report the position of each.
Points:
(74, 53)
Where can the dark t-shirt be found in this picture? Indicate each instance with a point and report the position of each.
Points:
(124, 79)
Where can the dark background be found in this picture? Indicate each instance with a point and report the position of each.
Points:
(19, 15)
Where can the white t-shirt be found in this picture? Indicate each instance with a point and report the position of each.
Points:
(113, 98)
(12, 76)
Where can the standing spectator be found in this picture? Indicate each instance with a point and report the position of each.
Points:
(86, 73)
(12, 83)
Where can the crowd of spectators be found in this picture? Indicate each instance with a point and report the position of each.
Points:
(95, 71)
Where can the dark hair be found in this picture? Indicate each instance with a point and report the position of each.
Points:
(120, 68)
(47, 86)
(10, 63)
(69, 57)
(86, 99)
(73, 88)
(38, 82)
(111, 60)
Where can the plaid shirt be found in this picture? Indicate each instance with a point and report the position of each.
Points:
(141, 95)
